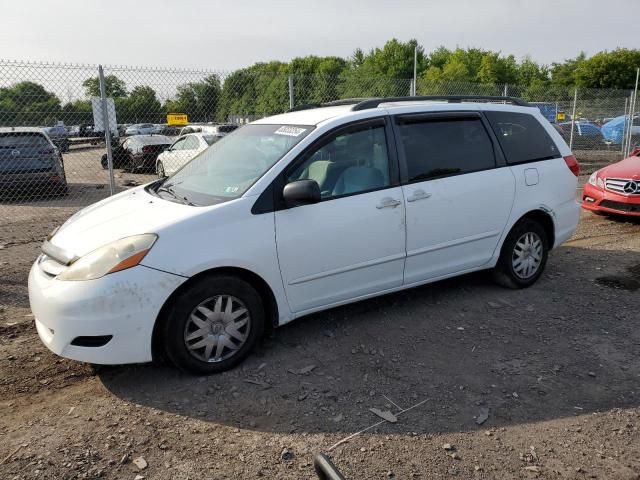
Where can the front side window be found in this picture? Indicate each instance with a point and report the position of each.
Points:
(444, 147)
(190, 143)
(230, 166)
(347, 163)
(521, 137)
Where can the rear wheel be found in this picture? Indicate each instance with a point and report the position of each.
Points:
(523, 256)
(213, 325)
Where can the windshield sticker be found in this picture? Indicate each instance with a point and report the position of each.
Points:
(290, 131)
(231, 189)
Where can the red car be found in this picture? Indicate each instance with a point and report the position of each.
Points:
(615, 188)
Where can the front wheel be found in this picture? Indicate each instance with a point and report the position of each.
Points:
(523, 256)
(213, 325)
(160, 170)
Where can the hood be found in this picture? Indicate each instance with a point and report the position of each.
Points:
(627, 168)
(128, 213)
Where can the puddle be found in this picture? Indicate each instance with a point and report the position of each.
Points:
(629, 282)
(619, 283)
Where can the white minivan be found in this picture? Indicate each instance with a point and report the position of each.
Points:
(302, 212)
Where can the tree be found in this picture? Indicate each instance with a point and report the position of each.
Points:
(564, 73)
(28, 103)
(383, 71)
(141, 105)
(114, 87)
(616, 69)
(199, 100)
(316, 79)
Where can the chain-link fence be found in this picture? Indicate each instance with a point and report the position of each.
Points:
(53, 146)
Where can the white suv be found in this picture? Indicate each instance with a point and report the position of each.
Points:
(301, 212)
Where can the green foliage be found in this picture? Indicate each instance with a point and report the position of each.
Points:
(262, 88)
(616, 69)
(113, 86)
(28, 103)
(199, 100)
(371, 75)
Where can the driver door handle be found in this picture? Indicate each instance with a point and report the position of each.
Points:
(388, 202)
(418, 195)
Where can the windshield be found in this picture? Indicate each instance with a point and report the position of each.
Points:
(230, 166)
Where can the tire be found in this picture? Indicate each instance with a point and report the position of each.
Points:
(160, 170)
(104, 161)
(511, 273)
(190, 337)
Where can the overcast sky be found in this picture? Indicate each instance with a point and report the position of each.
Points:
(224, 35)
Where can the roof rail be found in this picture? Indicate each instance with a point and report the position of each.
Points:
(334, 103)
(375, 102)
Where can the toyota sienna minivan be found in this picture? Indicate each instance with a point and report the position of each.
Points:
(300, 212)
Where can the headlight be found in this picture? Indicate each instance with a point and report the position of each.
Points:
(119, 255)
(595, 180)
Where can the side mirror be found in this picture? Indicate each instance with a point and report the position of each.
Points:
(301, 192)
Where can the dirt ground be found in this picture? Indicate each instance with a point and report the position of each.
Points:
(556, 368)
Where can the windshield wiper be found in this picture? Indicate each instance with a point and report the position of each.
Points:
(171, 191)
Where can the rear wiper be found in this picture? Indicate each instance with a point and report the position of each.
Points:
(171, 192)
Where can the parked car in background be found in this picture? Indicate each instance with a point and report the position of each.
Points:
(138, 152)
(83, 130)
(615, 188)
(549, 110)
(140, 129)
(301, 212)
(182, 151)
(614, 130)
(219, 130)
(168, 130)
(586, 135)
(30, 164)
(59, 136)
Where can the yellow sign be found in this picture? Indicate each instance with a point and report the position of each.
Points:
(560, 117)
(177, 119)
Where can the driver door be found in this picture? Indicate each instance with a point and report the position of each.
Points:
(352, 243)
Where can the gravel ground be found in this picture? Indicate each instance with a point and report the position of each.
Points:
(555, 369)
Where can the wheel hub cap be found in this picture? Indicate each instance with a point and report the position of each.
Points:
(217, 328)
(527, 255)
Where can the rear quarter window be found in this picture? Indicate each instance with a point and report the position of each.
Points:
(521, 137)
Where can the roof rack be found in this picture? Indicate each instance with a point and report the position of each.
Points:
(334, 103)
(375, 102)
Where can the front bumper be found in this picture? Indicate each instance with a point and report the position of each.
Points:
(122, 305)
(600, 200)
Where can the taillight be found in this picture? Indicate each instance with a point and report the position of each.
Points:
(573, 164)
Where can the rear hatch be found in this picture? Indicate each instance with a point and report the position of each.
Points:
(25, 152)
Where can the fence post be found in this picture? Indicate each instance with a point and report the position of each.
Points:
(291, 97)
(623, 140)
(573, 117)
(632, 113)
(107, 130)
(415, 71)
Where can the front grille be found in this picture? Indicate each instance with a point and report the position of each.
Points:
(623, 185)
(622, 207)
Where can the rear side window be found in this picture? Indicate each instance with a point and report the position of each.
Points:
(439, 148)
(521, 137)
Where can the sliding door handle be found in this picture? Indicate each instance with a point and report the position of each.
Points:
(388, 202)
(418, 195)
